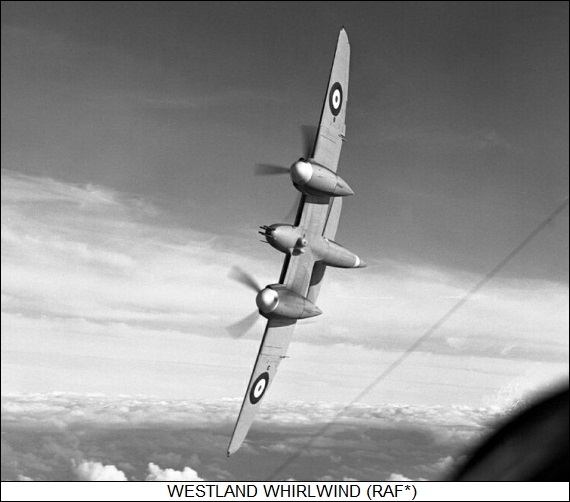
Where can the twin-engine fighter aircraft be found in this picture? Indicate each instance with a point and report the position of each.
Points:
(308, 244)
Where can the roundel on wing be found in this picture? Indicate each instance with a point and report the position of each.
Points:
(335, 98)
(258, 388)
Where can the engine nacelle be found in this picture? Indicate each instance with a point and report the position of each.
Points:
(335, 255)
(276, 300)
(313, 179)
(285, 238)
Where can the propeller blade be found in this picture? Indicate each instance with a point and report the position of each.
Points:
(240, 328)
(292, 214)
(241, 276)
(270, 169)
(308, 134)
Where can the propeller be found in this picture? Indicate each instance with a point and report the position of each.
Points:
(308, 135)
(240, 328)
(292, 214)
(240, 275)
(269, 169)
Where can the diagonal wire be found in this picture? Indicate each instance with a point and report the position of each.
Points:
(494, 271)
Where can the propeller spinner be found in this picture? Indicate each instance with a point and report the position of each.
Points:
(267, 300)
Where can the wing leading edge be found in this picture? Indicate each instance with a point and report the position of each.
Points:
(317, 216)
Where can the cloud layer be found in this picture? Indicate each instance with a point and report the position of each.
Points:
(79, 437)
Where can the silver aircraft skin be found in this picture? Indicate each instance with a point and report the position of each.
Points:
(308, 244)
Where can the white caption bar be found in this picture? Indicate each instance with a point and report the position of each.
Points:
(307, 491)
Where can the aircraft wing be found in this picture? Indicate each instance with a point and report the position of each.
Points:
(273, 348)
(319, 215)
(332, 125)
(316, 216)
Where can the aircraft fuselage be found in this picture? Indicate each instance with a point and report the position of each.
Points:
(293, 240)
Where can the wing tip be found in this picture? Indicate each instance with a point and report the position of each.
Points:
(343, 37)
(234, 446)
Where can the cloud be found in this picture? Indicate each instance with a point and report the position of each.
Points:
(394, 476)
(89, 253)
(158, 474)
(392, 304)
(90, 245)
(65, 410)
(96, 471)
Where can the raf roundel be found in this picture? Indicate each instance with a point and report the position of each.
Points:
(335, 98)
(258, 388)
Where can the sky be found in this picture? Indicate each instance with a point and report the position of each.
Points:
(130, 132)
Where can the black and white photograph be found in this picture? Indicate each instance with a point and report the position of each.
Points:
(285, 241)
